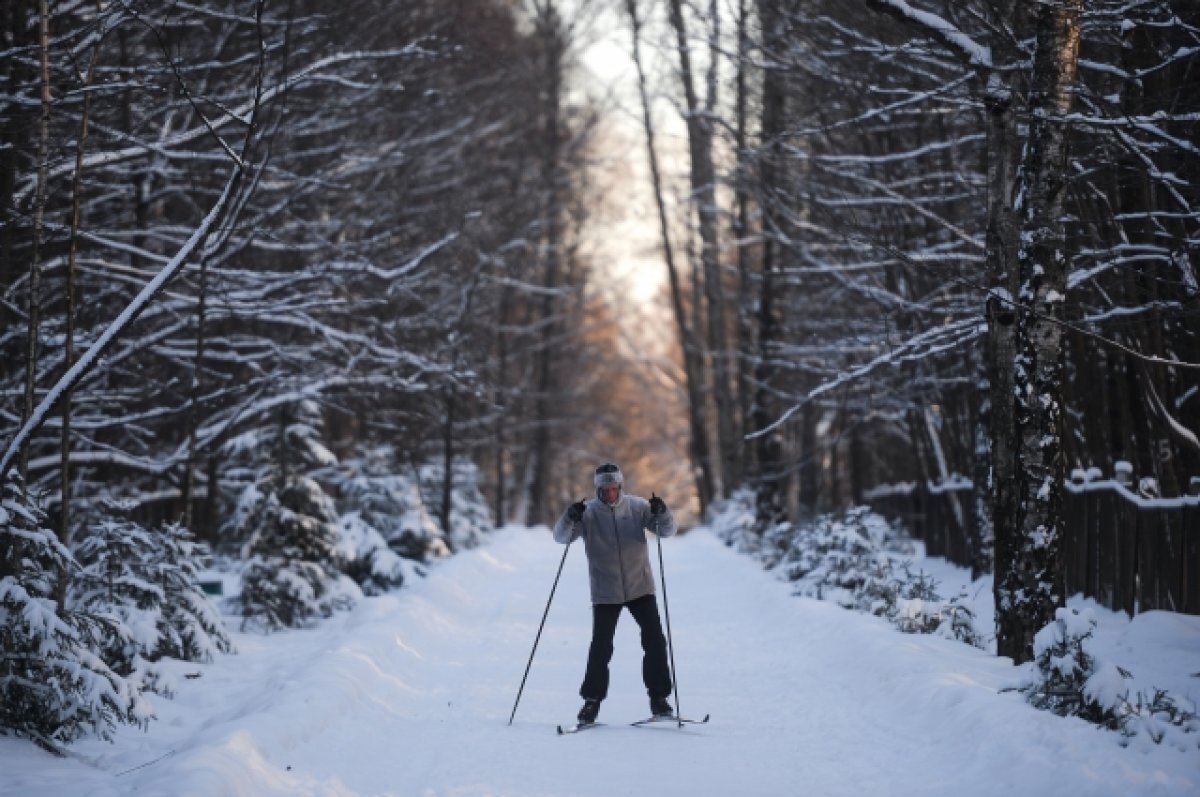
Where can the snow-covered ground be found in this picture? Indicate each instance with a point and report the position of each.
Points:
(409, 694)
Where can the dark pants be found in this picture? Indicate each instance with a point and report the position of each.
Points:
(655, 673)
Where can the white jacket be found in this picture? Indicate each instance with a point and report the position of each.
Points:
(614, 538)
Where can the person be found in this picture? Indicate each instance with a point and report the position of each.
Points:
(613, 526)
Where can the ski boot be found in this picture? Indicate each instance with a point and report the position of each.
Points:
(589, 712)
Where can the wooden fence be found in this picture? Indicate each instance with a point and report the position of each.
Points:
(1127, 552)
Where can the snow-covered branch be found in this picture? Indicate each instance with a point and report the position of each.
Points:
(966, 47)
(91, 358)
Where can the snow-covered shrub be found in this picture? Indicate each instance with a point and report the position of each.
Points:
(856, 559)
(1065, 667)
(286, 445)
(239, 526)
(776, 544)
(290, 574)
(149, 582)
(365, 557)
(287, 525)
(920, 609)
(880, 592)
(393, 505)
(1162, 718)
(958, 621)
(829, 559)
(387, 526)
(1070, 681)
(470, 518)
(54, 685)
(844, 558)
(732, 520)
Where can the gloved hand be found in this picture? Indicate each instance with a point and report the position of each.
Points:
(575, 511)
(657, 505)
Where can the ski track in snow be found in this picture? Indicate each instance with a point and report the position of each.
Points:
(410, 694)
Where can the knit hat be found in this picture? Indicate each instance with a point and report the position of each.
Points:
(608, 473)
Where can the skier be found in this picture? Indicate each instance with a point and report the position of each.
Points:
(613, 526)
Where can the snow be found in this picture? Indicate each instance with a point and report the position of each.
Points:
(1095, 482)
(409, 693)
(1106, 686)
(976, 53)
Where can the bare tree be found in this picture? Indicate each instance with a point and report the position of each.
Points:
(698, 441)
(699, 119)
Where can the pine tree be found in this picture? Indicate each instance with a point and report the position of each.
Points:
(290, 573)
(281, 448)
(149, 581)
(55, 686)
(393, 504)
(289, 524)
(366, 558)
(469, 518)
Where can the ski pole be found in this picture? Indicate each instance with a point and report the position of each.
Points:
(536, 639)
(662, 573)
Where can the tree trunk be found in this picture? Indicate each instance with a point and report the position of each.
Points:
(64, 527)
(998, 414)
(550, 36)
(1030, 589)
(500, 400)
(39, 217)
(692, 367)
(741, 229)
(193, 413)
(858, 466)
(771, 476)
(982, 538)
(448, 465)
(703, 181)
(1143, 94)
(14, 18)
(808, 461)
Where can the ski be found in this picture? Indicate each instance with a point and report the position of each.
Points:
(582, 726)
(669, 718)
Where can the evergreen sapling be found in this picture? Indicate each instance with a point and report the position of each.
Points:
(55, 686)
(291, 571)
(290, 576)
(391, 503)
(147, 582)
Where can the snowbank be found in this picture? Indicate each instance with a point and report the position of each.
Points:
(409, 694)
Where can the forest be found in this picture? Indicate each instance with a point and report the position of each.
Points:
(268, 266)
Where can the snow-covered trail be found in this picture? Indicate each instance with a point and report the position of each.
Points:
(410, 694)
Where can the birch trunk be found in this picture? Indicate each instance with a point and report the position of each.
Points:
(1031, 587)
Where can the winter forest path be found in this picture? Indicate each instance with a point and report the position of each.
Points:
(410, 694)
